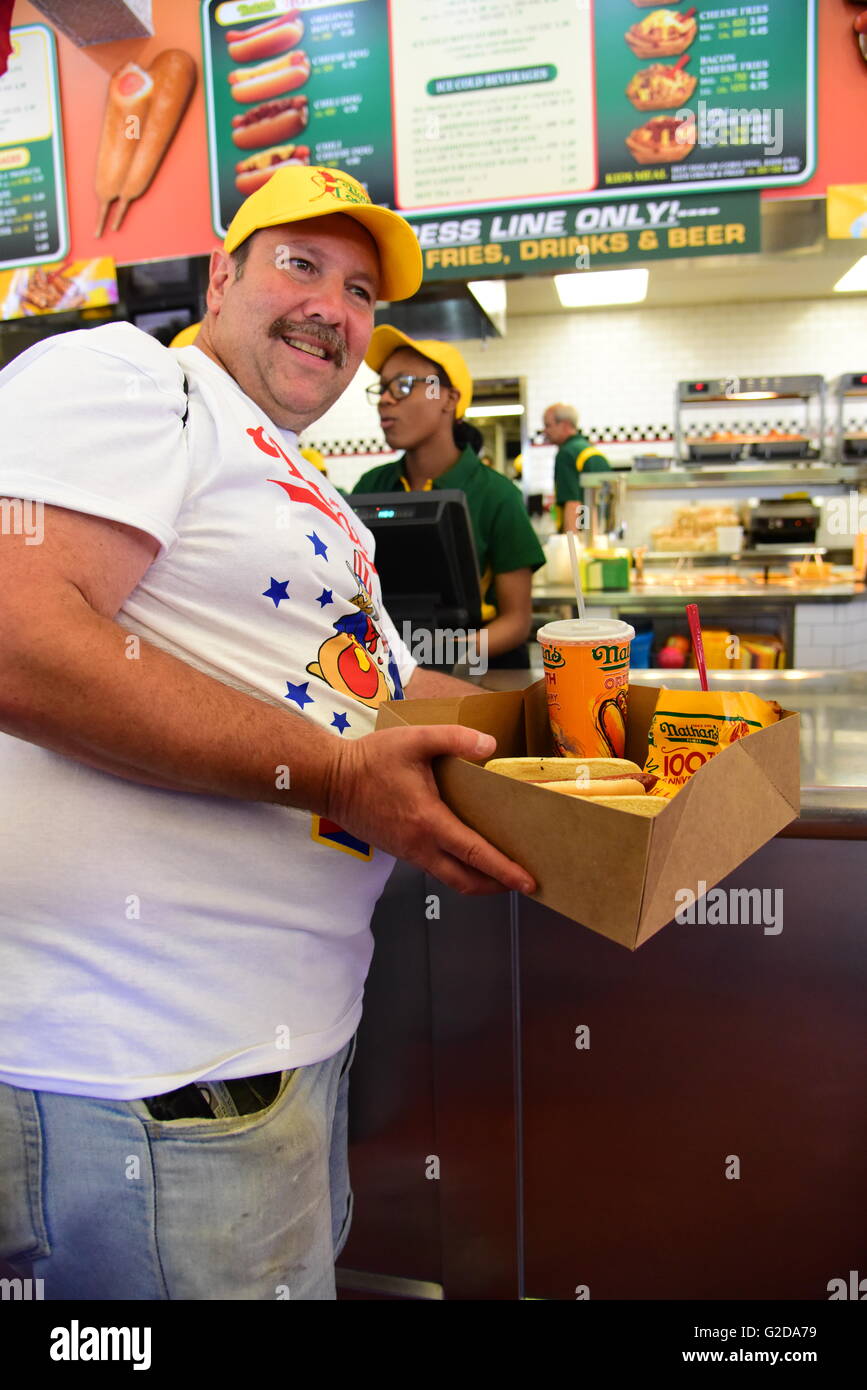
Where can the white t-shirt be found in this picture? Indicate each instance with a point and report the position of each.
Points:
(151, 938)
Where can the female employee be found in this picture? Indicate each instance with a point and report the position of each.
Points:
(423, 391)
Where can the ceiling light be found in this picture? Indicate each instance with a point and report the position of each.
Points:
(478, 411)
(854, 279)
(592, 288)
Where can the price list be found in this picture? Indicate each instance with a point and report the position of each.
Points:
(33, 223)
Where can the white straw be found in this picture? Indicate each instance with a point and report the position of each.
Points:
(576, 574)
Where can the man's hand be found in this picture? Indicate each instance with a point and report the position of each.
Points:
(382, 789)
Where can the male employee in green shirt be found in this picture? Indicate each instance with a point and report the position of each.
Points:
(575, 455)
(423, 391)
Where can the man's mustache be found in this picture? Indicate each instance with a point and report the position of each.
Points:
(319, 333)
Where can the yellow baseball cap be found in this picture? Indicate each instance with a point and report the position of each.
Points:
(385, 340)
(186, 336)
(297, 192)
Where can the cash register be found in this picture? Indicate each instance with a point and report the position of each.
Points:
(428, 568)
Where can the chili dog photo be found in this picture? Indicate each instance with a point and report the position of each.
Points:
(265, 40)
(270, 79)
(270, 123)
(614, 782)
(143, 111)
(251, 173)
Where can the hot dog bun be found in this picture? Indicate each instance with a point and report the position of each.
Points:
(252, 173)
(270, 79)
(595, 787)
(265, 40)
(634, 800)
(270, 123)
(559, 769)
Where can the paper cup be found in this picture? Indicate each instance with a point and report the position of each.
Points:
(586, 665)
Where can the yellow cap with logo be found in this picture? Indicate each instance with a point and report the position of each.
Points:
(385, 340)
(297, 192)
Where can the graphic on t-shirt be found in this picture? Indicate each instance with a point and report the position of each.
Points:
(357, 660)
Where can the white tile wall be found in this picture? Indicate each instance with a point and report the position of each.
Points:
(831, 634)
(620, 366)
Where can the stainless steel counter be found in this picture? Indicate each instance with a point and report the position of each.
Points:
(833, 710)
(662, 595)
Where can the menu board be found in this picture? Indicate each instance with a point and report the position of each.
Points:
(492, 101)
(305, 83)
(704, 96)
(33, 225)
(472, 104)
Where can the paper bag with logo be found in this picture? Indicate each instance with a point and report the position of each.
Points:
(691, 726)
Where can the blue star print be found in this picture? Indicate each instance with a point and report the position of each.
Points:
(325, 598)
(319, 547)
(340, 722)
(298, 693)
(277, 592)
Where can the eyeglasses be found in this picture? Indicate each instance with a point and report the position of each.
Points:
(399, 387)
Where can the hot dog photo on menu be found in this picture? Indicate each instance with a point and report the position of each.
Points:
(296, 85)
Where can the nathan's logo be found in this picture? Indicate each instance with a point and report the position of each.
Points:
(552, 657)
(690, 733)
(338, 186)
(611, 657)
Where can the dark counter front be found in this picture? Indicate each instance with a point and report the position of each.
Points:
(536, 1110)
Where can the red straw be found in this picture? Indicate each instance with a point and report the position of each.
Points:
(697, 644)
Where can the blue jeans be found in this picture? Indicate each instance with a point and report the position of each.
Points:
(102, 1201)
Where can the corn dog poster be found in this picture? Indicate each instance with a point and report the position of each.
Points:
(33, 223)
(303, 83)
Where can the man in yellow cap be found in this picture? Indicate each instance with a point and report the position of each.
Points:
(196, 650)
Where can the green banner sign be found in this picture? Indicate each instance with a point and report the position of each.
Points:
(586, 236)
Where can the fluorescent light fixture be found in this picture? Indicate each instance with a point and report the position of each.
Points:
(478, 411)
(751, 395)
(491, 294)
(855, 278)
(592, 288)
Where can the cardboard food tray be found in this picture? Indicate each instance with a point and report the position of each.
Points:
(613, 872)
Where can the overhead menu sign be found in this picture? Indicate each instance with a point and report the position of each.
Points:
(455, 105)
(33, 224)
(286, 84)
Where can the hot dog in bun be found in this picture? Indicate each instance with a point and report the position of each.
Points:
(270, 123)
(265, 40)
(252, 173)
(270, 79)
(614, 782)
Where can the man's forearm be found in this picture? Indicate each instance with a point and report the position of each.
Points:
(154, 719)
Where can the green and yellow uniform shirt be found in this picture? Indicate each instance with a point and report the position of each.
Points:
(575, 457)
(505, 539)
